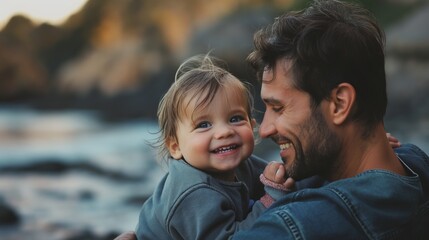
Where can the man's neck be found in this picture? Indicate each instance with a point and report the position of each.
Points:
(359, 155)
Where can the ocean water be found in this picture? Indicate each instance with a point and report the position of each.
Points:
(68, 172)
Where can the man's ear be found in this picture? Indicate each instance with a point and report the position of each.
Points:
(342, 102)
(174, 148)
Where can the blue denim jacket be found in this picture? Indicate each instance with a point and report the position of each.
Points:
(376, 204)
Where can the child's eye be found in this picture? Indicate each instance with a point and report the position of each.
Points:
(237, 118)
(203, 125)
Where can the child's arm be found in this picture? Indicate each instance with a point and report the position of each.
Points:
(276, 183)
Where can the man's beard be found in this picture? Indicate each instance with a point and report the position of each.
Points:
(322, 149)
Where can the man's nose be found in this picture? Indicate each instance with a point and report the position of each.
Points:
(266, 128)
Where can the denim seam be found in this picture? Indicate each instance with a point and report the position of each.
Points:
(418, 151)
(353, 211)
(408, 179)
(291, 224)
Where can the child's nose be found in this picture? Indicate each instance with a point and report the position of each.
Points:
(224, 131)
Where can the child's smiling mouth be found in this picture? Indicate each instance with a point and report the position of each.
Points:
(225, 149)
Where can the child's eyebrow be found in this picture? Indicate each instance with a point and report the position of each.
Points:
(239, 110)
(199, 117)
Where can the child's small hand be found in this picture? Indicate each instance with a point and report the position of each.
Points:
(276, 172)
(276, 183)
(393, 141)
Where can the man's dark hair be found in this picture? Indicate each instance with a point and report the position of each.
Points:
(329, 43)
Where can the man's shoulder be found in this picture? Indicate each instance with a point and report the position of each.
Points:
(315, 213)
(349, 206)
(410, 152)
(409, 148)
(308, 201)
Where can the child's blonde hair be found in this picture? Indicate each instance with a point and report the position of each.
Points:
(200, 77)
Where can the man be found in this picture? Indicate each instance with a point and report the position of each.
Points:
(324, 87)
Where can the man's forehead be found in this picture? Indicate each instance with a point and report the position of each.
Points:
(278, 84)
(282, 68)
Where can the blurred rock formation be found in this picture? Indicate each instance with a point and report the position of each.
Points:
(121, 55)
(407, 67)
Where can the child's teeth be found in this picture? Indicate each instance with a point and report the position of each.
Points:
(225, 149)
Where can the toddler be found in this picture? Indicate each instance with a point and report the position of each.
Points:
(213, 187)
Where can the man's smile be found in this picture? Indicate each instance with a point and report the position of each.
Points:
(285, 146)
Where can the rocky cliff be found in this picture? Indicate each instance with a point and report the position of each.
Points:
(120, 55)
(407, 67)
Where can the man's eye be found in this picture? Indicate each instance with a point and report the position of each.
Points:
(237, 118)
(203, 125)
(277, 109)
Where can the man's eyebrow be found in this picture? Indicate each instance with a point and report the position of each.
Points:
(271, 101)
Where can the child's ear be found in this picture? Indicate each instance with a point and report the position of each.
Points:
(174, 148)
